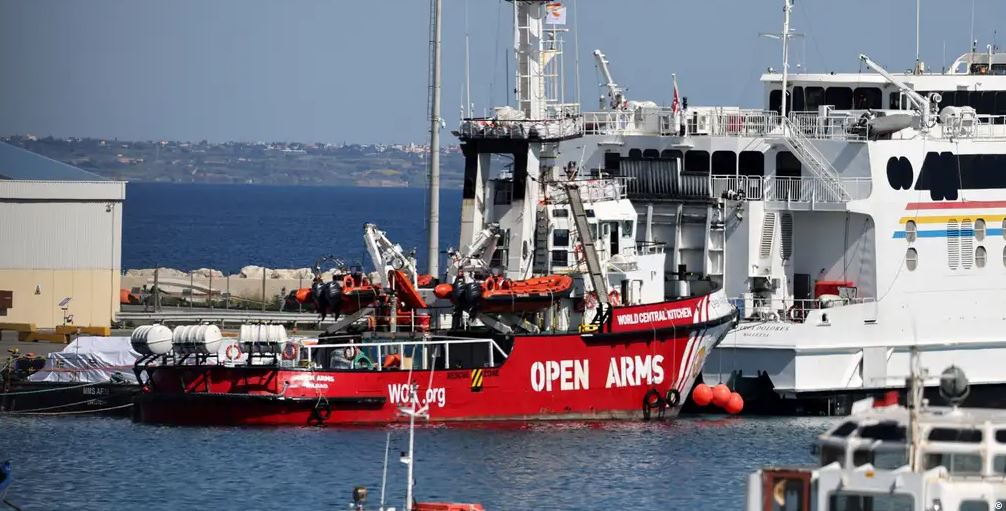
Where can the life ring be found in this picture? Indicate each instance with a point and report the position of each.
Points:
(321, 411)
(290, 351)
(233, 352)
(672, 398)
(614, 297)
(653, 401)
(347, 281)
(392, 361)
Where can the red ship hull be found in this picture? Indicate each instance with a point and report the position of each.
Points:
(642, 361)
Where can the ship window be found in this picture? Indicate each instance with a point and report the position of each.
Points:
(868, 98)
(651, 154)
(844, 430)
(787, 165)
(752, 163)
(884, 459)
(839, 97)
(626, 228)
(999, 464)
(670, 154)
(981, 256)
(635, 154)
(980, 229)
(1004, 228)
(560, 258)
(724, 163)
(888, 431)
(956, 463)
(775, 101)
(968, 436)
(1001, 436)
(1004, 256)
(911, 231)
(501, 256)
(697, 161)
(912, 259)
(504, 193)
(612, 161)
(1000, 103)
(982, 101)
(846, 501)
(798, 98)
(974, 505)
(560, 237)
(831, 454)
(814, 98)
(589, 212)
(560, 213)
(900, 102)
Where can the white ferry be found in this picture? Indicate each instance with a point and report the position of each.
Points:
(853, 217)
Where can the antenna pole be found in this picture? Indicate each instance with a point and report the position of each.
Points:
(468, 79)
(788, 6)
(918, 17)
(434, 219)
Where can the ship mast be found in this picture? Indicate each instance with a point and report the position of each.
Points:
(433, 222)
(788, 6)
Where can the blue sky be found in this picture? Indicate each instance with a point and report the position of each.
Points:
(345, 71)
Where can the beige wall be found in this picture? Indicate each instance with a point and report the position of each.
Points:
(94, 293)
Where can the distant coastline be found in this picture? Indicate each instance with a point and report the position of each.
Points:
(268, 163)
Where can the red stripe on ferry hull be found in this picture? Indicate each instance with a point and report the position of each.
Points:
(546, 377)
(919, 206)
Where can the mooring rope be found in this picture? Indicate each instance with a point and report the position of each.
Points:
(76, 412)
(23, 392)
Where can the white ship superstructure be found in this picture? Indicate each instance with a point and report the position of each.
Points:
(870, 218)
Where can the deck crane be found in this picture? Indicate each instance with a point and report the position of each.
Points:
(616, 94)
(476, 257)
(387, 255)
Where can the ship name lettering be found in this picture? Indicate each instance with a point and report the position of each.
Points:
(564, 374)
(637, 318)
(635, 371)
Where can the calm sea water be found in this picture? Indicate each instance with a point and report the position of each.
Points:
(693, 464)
(230, 226)
(95, 463)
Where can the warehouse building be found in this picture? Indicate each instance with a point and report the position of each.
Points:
(60, 243)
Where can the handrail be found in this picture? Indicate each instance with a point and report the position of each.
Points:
(491, 343)
(809, 155)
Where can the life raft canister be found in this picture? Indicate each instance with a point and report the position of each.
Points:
(614, 297)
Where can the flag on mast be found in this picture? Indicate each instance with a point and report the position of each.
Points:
(676, 102)
(555, 13)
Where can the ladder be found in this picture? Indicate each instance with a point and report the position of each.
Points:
(804, 150)
(541, 232)
(597, 279)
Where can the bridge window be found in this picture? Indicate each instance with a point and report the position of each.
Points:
(868, 98)
(503, 193)
(839, 97)
(884, 459)
(831, 454)
(697, 161)
(999, 464)
(752, 163)
(724, 163)
(912, 259)
(814, 98)
(846, 501)
(787, 165)
(560, 213)
(968, 436)
(956, 463)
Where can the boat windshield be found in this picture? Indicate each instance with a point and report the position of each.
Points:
(848, 501)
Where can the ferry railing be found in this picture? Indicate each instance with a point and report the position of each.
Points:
(735, 123)
(747, 187)
(793, 310)
(975, 127)
(609, 123)
(521, 129)
(591, 190)
(428, 351)
(828, 127)
(816, 190)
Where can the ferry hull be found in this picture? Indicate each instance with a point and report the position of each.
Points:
(616, 373)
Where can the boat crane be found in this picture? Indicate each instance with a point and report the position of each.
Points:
(476, 257)
(387, 255)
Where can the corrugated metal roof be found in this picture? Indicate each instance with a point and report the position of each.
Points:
(17, 163)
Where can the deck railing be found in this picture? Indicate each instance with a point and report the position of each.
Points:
(789, 189)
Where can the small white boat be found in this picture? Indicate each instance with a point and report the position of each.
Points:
(896, 458)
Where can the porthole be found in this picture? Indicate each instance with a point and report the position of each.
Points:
(911, 231)
(912, 259)
(980, 257)
(1004, 228)
(980, 229)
